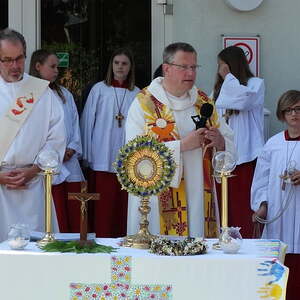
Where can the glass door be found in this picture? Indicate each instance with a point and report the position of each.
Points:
(86, 32)
(3, 14)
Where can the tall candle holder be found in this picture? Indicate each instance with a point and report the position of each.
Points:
(48, 162)
(229, 239)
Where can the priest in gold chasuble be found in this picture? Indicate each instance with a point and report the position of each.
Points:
(163, 110)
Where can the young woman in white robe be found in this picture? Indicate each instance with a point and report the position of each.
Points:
(44, 64)
(239, 98)
(102, 125)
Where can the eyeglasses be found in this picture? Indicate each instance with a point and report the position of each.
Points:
(10, 61)
(289, 110)
(185, 67)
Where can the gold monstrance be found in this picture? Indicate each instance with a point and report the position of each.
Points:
(48, 162)
(144, 168)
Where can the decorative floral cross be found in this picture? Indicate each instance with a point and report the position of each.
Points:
(120, 286)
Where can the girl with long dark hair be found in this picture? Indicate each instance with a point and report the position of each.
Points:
(239, 99)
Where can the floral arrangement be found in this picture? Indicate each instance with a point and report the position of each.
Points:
(145, 166)
(188, 246)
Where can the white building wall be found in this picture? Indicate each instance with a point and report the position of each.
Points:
(202, 22)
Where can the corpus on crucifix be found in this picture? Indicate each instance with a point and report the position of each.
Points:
(83, 197)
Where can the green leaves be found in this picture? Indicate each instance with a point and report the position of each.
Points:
(75, 246)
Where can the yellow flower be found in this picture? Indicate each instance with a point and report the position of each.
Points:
(127, 277)
(98, 288)
(127, 259)
(137, 292)
(119, 262)
(114, 277)
(113, 286)
(157, 288)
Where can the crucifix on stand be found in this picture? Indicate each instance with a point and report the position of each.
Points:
(83, 197)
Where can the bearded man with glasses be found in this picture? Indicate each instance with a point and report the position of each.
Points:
(31, 119)
(163, 110)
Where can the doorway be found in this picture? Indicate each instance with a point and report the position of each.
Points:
(86, 32)
(3, 14)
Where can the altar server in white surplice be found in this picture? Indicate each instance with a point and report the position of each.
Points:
(44, 64)
(276, 182)
(163, 110)
(31, 119)
(102, 124)
(239, 98)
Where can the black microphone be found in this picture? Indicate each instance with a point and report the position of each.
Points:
(206, 111)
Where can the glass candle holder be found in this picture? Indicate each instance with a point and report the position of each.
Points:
(18, 236)
(230, 240)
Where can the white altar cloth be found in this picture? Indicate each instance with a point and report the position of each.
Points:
(254, 273)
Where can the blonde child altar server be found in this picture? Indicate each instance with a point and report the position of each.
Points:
(275, 192)
(44, 64)
(102, 125)
(239, 98)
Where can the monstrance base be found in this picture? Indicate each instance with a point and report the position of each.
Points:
(139, 241)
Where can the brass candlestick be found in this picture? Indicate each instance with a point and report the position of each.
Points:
(48, 162)
(223, 163)
(49, 236)
(143, 238)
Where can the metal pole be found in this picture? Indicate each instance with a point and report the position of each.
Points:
(224, 182)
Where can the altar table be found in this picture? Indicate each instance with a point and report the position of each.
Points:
(131, 274)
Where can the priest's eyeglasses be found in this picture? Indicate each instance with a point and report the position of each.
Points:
(10, 61)
(193, 68)
(289, 110)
